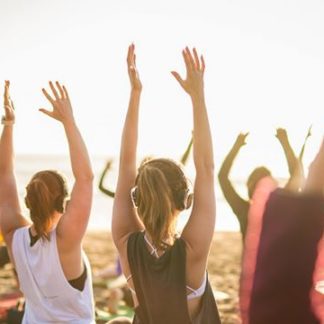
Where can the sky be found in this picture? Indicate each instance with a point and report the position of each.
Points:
(264, 69)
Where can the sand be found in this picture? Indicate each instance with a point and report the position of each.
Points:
(223, 269)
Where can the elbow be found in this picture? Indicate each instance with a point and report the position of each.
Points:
(206, 167)
(86, 177)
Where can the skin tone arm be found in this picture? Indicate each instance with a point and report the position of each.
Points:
(239, 205)
(73, 224)
(199, 230)
(10, 211)
(103, 175)
(282, 136)
(124, 218)
(297, 178)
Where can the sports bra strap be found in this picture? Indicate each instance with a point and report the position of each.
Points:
(154, 249)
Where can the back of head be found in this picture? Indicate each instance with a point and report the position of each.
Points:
(45, 194)
(256, 175)
(162, 189)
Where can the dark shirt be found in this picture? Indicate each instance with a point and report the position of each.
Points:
(292, 228)
(160, 285)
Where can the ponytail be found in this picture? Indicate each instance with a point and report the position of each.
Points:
(46, 194)
(155, 207)
(162, 188)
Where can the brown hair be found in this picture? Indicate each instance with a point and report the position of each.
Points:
(46, 193)
(162, 188)
(256, 175)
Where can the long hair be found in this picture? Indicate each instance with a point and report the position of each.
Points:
(45, 193)
(162, 188)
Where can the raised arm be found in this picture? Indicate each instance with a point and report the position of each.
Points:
(199, 230)
(185, 155)
(289, 153)
(239, 205)
(74, 221)
(297, 177)
(104, 190)
(125, 219)
(10, 211)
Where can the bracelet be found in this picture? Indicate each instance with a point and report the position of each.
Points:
(6, 122)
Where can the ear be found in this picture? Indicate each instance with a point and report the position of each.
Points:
(188, 201)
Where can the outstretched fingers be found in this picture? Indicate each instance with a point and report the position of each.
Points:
(48, 97)
(60, 90)
(54, 90)
(177, 77)
(46, 112)
(66, 94)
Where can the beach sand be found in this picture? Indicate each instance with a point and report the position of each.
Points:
(223, 269)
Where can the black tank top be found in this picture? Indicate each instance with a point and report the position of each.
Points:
(160, 285)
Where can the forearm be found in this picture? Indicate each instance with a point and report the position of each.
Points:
(203, 147)
(80, 161)
(228, 162)
(6, 151)
(289, 154)
(130, 133)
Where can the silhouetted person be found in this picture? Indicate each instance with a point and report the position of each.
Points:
(239, 205)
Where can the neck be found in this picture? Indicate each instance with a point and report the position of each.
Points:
(52, 223)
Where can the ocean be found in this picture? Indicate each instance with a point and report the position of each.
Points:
(100, 219)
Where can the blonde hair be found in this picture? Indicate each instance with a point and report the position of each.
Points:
(45, 193)
(161, 190)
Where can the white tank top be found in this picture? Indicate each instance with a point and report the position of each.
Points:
(49, 296)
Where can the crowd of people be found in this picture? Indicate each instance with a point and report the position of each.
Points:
(165, 271)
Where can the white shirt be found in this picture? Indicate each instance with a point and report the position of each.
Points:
(49, 296)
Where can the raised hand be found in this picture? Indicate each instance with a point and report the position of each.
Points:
(132, 70)
(281, 134)
(195, 67)
(62, 109)
(241, 139)
(9, 115)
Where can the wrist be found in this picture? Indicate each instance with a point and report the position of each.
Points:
(198, 97)
(136, 91)
(69, 123)
(6, 122)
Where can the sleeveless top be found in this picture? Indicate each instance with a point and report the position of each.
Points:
(49, 296)
(160, 285)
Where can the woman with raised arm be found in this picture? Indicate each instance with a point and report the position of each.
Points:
(53, 271)
(241, 206)
(166, 272)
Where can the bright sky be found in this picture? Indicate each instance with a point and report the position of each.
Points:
(264, 69)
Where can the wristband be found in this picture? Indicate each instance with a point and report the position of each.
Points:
(6, 122)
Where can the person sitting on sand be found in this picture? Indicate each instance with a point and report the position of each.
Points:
(167, 273)
(239, 205)
(53, 271)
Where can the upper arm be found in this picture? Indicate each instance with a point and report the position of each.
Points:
(10, 216)
(73, 224)
(199, 230)
(125, 219)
